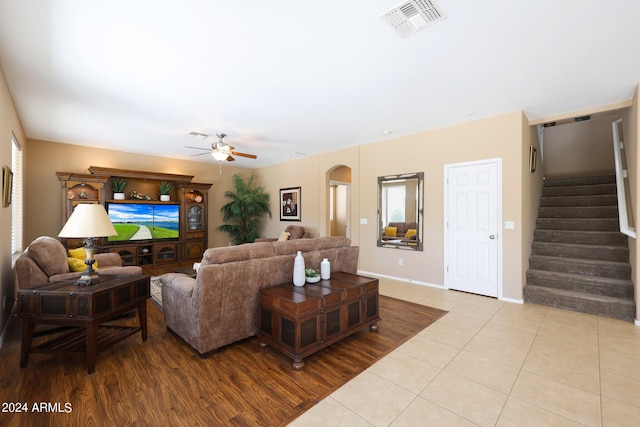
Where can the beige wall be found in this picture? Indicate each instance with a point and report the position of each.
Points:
(531, 191)
(631, 131)
(579, 149)
(428, 152)
(9, 125)
(312, 174)
(43, 209)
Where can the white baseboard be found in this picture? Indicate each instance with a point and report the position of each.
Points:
(399, 279)
(417, 282)
(513, 300)
(636, 322)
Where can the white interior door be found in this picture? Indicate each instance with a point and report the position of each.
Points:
(472, 214)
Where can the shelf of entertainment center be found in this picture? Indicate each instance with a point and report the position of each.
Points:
(146, 253)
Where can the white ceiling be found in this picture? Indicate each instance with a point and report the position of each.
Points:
(298, 76)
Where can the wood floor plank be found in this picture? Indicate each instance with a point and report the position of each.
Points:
(164, 382)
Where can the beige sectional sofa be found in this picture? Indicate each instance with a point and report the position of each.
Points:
(220, 306)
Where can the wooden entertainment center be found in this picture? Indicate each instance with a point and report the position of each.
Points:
(191, 199)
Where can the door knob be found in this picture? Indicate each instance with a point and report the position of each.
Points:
(492, 237)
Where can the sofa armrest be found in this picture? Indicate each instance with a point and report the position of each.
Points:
(108, 259)
(179, 283)
(28, 273)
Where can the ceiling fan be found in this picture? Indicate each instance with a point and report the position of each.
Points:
(220, 150)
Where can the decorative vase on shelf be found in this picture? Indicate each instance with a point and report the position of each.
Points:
(298, 270)
(165, 197)
(325, 269)
(118, 196)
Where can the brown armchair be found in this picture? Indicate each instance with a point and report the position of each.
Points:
(45, 260)
(295, 232)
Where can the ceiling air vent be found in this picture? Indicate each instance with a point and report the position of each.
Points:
(412, 16)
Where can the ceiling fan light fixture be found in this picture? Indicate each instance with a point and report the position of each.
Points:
(219, 156)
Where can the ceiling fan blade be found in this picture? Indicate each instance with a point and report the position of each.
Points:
(198, 148)
(199, 154)
(250, 156)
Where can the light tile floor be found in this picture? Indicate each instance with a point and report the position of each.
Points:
(494, 363)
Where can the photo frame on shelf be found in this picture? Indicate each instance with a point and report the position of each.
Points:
(533, 158)
(290, 204)
(7, 185)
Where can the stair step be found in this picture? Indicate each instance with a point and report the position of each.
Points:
(578, 212)
(618, 288)
(617, 308)
(579, 190)
(594, 252)
(610, 269)
(586, 224)
(611, 238)
(581, 180)
(597, 200)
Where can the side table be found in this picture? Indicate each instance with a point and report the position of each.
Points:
(85, 308)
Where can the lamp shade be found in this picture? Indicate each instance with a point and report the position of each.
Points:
(88, 220)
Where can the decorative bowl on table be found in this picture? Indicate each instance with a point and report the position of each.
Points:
(314, 279)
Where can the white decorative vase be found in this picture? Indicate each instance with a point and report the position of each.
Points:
(325, 269)
(298, 270)
(118, 196)
(165, 197)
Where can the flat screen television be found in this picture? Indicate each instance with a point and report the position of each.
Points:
(144, 221)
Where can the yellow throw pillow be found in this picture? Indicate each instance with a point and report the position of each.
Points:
(391, 231)
(284, 236)
(410, 232)
(79, 254)
(76, 264)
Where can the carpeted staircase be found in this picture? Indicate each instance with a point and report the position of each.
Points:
(580, 260)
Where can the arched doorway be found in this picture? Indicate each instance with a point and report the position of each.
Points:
(339, 201)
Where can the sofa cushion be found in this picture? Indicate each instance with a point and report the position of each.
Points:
(331, 242)
(401, 227)
(410, 233)
(244, 252)
(49, 254)
(293, 246)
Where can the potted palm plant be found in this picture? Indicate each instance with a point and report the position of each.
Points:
(242, 215)
(118, 186)
(165, 191)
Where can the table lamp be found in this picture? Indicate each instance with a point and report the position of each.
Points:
(88, 221)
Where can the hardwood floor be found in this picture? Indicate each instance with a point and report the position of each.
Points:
(164, 382)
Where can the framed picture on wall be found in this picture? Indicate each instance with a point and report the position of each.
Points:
(290, 204)
(533, 159)
(7, 184)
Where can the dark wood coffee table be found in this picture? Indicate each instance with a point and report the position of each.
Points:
(299, 321)
(85, 309)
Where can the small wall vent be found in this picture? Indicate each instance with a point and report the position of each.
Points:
(412, 16)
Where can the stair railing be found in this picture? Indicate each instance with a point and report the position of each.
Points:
(624, 203)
